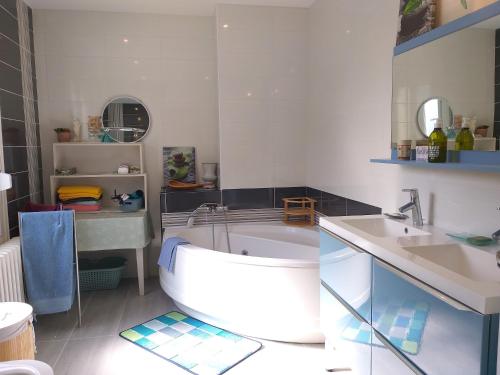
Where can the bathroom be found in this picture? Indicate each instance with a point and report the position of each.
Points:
(291, 98)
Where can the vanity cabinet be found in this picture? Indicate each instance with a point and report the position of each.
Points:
(338, 263)
(437, 333)
(348, 337)
(395, 323)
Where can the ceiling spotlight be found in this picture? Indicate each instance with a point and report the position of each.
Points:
(125, 40)
(225, 26)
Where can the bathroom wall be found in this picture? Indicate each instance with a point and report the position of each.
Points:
(169, 62)
(448, 10)
(18, 108)
(262, 53)
(350, 70)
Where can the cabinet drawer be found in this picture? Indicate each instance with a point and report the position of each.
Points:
(438, 334)
(347, 271)
(347, 338)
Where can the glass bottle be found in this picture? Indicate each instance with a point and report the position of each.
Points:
(437, 144)
(465, 139)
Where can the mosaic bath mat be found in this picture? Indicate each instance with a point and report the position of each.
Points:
(189, 343)
(403, 324)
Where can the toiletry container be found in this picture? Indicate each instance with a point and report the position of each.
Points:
(437, 144)
(465, 139)
(422, 150)
(404, 149)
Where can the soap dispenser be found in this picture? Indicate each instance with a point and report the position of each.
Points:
(437, 143)
(465, 139)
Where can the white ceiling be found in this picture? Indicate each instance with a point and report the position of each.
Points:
(191, 7)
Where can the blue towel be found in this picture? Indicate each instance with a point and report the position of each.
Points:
(168, 250)
(48, 252)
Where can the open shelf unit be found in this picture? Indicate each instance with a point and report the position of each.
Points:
(96, 164)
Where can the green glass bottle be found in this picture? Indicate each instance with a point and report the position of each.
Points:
(465, 139)
(438, 143)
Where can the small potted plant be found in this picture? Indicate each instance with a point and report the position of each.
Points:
(63, 134)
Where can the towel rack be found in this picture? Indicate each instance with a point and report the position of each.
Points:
(75, 248)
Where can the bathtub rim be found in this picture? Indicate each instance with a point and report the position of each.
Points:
(204, 253)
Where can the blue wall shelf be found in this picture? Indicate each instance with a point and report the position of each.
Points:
(470, 19)
(474, 161)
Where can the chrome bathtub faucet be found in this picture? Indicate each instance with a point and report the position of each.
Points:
(414, 206)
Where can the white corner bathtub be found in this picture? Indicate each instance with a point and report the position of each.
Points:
(270, 293)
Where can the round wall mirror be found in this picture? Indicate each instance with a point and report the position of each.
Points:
(126, 119)
(429, 111)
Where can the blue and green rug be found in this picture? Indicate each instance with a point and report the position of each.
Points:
(189, 343)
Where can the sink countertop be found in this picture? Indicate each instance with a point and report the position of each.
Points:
(482, 296)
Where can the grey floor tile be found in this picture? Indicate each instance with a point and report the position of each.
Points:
(102, 314)
(50, 351)
(97, 349)
(139, 309)
(59, 326)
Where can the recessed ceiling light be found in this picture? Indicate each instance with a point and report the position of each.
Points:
(136, 62)
(225, 26)
(125, 40)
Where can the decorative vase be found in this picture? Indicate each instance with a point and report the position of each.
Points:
(209, 175)
(64, 136)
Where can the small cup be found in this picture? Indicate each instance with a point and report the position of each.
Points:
(404, 149)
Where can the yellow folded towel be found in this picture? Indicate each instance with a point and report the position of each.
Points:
(78, 189)
(66, 197)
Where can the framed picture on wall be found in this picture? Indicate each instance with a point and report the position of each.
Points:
(179, 164)
(415, 18)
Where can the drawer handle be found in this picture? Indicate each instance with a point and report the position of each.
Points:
(396, 352)
(421, 285)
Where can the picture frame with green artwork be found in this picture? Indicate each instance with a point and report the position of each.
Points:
(179, 164)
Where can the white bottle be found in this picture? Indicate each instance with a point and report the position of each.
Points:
(77, 127)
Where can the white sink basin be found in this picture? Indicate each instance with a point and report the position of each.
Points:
(475, 264)
(381, 227)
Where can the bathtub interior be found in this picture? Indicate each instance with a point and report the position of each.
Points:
(273, 240)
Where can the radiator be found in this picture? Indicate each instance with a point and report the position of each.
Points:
(11, 272)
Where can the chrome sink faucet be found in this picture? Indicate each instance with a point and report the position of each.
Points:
(414, 206)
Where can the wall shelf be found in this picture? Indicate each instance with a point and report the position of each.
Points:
(449, 28)
(474, 161)
(450, 166)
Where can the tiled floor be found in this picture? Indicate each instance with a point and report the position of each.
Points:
(96, 348)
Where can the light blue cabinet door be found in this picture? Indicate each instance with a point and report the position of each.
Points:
(436, 333)
(386, 360)
(347, 337)
(348, 272)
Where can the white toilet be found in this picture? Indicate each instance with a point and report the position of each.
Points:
(25, 368)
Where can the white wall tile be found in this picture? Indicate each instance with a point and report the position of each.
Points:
(169, 62)
(262, 91)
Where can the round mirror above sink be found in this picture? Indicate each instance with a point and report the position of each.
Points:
(429, 111)
(126, 119)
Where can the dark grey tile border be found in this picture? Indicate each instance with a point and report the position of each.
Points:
(327, 204)
(8, 25)
(10, 52)
(10, 6)
(287, 192)
(238, 199)
(11, 106)
(10, 79)
(13, 132)
(15, 159)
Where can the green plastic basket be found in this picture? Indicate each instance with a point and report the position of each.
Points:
(98, 279)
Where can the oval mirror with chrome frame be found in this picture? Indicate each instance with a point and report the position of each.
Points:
(432, 109)
(126, 119)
